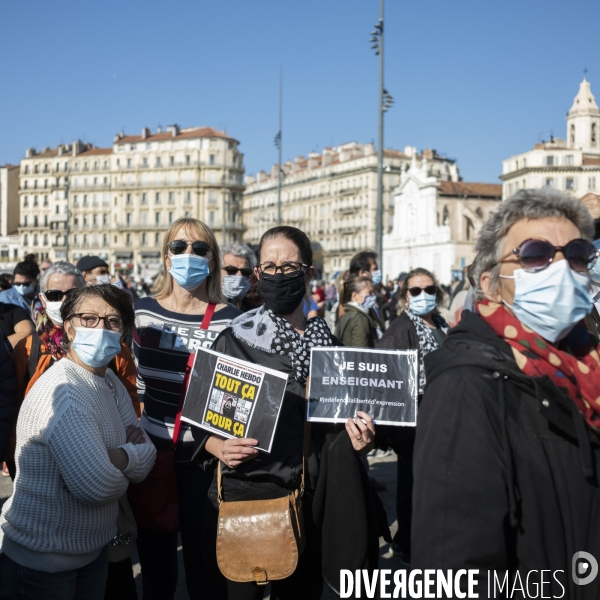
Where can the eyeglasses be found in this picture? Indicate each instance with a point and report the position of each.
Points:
(56, 295)
(536, 255)
(231, 270)
(289, 269)
(198, 248)
(91, 320)
(416, 291)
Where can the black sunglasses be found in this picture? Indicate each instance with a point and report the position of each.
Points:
(536, 255)
(416, 291)
(231, 270)
(56, 295)
(198, 248)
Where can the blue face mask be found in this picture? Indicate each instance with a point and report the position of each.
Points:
(96, 347)
(552, 301)
(24, 290)
(369, 302)
(235, 286)
(423, 304)
(189, 270)
(595, 268)
(376, 277)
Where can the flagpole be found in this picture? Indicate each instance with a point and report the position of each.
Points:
(279, 146)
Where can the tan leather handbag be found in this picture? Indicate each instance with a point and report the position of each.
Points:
(261, 540)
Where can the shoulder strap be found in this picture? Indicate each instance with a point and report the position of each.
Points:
(34, 354)
(208, 315)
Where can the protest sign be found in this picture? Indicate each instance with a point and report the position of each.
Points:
(382, 383)
(234, 398)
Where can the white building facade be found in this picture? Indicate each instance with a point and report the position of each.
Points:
(332, 197)
(435, 223)
(9, 217)
(571, 164)
(118, 202)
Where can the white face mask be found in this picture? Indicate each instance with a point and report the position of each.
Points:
(551, 301)
(53, 312)
(102, 279)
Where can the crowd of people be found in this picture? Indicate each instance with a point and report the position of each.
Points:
(500, 473)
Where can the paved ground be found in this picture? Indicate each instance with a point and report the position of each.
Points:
(383, 469)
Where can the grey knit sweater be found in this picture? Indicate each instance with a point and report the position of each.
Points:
(65, 502)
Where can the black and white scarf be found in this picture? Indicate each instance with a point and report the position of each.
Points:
(261, 328)
(427, 342)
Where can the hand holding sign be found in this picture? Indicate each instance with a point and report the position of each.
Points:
(362, 432)
(236, 451)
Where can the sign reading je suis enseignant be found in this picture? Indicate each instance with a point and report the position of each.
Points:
(382, 383)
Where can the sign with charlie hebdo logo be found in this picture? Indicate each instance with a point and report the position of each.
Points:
(234, 398)
(382, 383)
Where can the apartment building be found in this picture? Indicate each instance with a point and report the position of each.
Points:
(571, 164)
(118, 202)
(9, 217)
(332, 196)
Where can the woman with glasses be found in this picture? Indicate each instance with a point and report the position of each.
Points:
(39, 351)
(238, 273)
(356, 328)
(419, 326)
(188, 313)
(277, 335)
(79, 446)
(507, 456)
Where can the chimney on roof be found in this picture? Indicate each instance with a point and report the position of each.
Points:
(159, 129)
(313, 160)
(286, 167)
(78, 147)
(30, 153)
(274, 170)
(145, 132)
(60, 148)
(173, 130)
(428, 153)
(327, 157)
(118, 136)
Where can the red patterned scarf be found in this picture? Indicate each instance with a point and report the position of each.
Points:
(49, 333)
(573, 364)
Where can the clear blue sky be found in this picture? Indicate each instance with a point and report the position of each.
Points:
(479, 80)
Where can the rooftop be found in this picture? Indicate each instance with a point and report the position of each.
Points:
(469, 189)
(171, 132)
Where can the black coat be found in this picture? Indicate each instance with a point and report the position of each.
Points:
(8, 395)
(283, 465)
(505, 468)
(348, 512)
(400, 335)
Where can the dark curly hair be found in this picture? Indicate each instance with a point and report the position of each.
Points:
(112, 295)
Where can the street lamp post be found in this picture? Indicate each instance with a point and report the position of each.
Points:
(278, 146)
(385, 102)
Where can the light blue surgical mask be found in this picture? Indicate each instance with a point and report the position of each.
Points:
(189, 270)
(24, 290)
(423, 304)
(595, 268)
(369, 302)
(376, 277)
(96, 347)
(235, 287)
(551, 301)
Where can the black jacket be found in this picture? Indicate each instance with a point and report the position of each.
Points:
(348, 512)
(400, 335)
(8, 395)
(283, 465)
(505, 468)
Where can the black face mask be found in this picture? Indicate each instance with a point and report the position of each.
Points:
(282, 294)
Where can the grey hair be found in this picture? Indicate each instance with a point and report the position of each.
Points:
(525, 204)
(241, 251)
(64, 268)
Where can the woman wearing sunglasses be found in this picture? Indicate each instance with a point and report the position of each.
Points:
(79, 445)
(507, 453)
(187, 313)
(419, 326)
(238, 272)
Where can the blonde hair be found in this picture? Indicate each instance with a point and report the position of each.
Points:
(200, 231)
(352, 284)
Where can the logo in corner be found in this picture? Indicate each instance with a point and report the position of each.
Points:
(584, 568)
